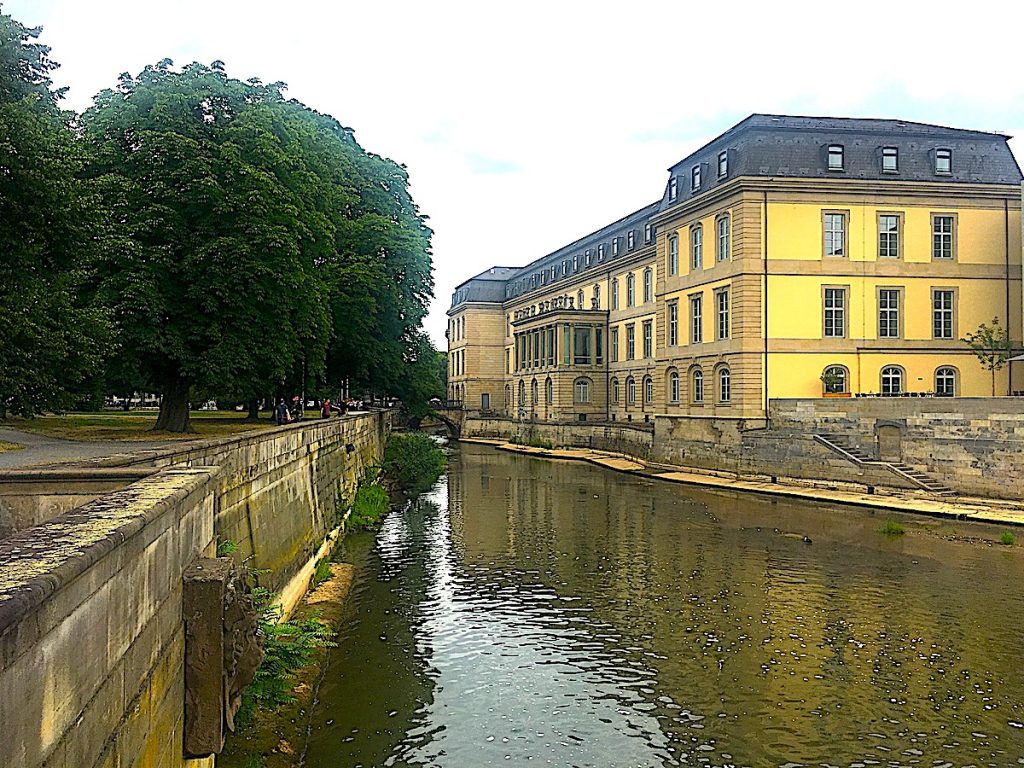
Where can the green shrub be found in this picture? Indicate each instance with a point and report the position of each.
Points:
(369, 506)
(226, 547)
(1007, 539)
(322, 572)
(892, 528)
(413, 462)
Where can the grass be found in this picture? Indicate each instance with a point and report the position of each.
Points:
(5, 446)
(1007, 539)
(892, 528)
(133, 425)
(368, 507)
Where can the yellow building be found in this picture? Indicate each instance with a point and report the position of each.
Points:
(789, 257)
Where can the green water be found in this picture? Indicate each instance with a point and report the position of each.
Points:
(537, 613)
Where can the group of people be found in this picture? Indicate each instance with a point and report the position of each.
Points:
(285, 413)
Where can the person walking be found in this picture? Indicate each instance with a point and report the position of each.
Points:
(325, 409)
(281, 414)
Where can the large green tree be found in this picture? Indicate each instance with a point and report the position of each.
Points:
(51, 231)
(217, 285)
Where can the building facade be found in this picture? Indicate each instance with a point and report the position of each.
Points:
(789, 257)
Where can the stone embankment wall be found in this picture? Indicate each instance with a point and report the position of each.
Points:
(973, 445)
(92, 639)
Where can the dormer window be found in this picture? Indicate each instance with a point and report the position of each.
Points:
(615, 246)
(695, 178)
(835, 157)
(673, 190)
(588, 257)
(565, 268)
(600, 252)
(630, 240)
(647, 233)
(575, 263)
(890, 160)
(723, 164)
(943, 161)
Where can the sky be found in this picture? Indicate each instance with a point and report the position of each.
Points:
(527, 125)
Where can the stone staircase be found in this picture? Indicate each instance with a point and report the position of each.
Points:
(842, 446)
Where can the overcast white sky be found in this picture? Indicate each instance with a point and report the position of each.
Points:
(526, 125)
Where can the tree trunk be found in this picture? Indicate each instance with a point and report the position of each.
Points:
(254, 410)
(993, 382)
(174, 415)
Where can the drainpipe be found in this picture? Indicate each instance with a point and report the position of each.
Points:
(764, 331)
(1009, 330)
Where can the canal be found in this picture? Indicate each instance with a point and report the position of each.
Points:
(555, 613)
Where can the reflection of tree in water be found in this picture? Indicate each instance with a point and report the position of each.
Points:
(376, 682)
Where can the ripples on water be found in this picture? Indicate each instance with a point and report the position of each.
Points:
(558, 614)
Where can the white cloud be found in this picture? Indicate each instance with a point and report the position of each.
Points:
(527, 125)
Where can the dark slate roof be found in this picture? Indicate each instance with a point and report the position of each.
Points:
(488, 286)
(796, 147)
(585, 254)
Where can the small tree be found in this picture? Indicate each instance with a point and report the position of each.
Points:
(991, 345)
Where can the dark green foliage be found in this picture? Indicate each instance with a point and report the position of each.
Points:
(287, 647)
(226, 547)
(1007, 538)
(369, 506)
(413, 462)
(51, 231)
(892, 528)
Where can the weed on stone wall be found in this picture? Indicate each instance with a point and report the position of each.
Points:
(370, 504)
(413, 462)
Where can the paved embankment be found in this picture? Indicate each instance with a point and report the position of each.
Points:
(41, 450)
(956, 507)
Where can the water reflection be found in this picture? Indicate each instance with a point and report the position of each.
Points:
(555, 613)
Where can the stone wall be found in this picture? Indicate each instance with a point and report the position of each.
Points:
(91, 631)
(973, 445)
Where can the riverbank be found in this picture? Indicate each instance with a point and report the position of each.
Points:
(889, 499)
(277, 738)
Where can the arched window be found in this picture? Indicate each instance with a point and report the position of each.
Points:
(697, 246)
(534, 392)
(648, 285)
(579, 300)
(508, 397)
(615, 391)
(630, 391)
(697, 386)
(945, 381)
(724, 385)
(549, 392)
(673, 255)
(892, 380)
(615, 293)
(723, 237)
(597, 297)
(648, 390)
(630, 290)
(836, 379)
(581, 390)
(673, 386)
(522, 393)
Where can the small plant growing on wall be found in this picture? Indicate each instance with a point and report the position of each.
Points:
(991, 345)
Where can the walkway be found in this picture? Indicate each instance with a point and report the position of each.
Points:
(998, 511)
(41, 450)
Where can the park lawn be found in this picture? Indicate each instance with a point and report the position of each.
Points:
(134, 425)
(5, 446)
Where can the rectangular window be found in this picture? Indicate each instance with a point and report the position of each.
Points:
(943, 161)
(942, 236)
(942, 313)
(613, 335)
(588, 257)
(598, 345)
(723, 238)
(508, 361)
(888, 236)
(673, 255)
(835, 157)
(551, 345)
(673, 323)
(630, 290)
(648, 338)
(695, 178)
(722, 306)
(673, 188)
(697, 245)
(615, 246)
(835, 234)
(615, 294)
(581, 352)
(631, 239)
(630, 342)
(723, 164)
(888, 313)
(890, 160)
(696, 319)
(835, 313)
(600, 252)
(648, 286)
(648, 232)
(566, 344)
